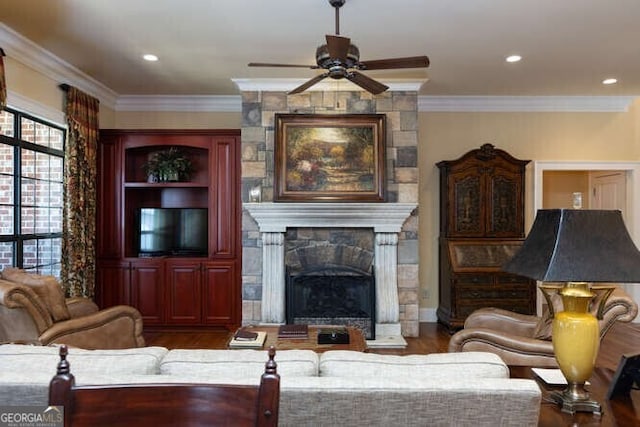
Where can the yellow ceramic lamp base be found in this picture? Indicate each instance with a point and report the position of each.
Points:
(576, 340)
(575, 343)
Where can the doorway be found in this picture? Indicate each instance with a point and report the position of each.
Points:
(585, 189)
(602, 176)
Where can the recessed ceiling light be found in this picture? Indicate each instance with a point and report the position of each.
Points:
(610, 81)
(149, 57)
(513, 58)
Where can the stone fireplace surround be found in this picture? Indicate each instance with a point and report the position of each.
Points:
(260, 102)
(386, 220)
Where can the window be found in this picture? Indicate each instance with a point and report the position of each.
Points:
(31, 191)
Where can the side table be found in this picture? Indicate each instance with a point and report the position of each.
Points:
(618, 412)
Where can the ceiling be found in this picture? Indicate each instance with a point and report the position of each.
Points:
(568, 46)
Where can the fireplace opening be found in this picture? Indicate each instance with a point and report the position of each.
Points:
(337, 295)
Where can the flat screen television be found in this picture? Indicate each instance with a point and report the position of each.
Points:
(172, 231)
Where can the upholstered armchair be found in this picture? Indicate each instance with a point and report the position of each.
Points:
(33, 310)
(526, 340)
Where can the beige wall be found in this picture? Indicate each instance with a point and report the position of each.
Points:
(559, 186)
(32, 84)
(535, 136)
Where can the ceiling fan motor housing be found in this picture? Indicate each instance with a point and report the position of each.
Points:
(324, 60)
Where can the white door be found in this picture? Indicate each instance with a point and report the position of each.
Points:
(609, 190)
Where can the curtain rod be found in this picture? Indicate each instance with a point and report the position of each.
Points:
(2, 52)
(65, 87)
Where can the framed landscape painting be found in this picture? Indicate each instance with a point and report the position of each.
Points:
(329, 158)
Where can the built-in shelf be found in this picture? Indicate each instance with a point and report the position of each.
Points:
(177, 290)
(187, 184)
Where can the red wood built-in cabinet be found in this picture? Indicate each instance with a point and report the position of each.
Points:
(169, 289)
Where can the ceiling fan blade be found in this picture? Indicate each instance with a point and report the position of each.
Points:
(266, 64)
(308, 84)
(338, 47)
(386, 64)
(367, 83)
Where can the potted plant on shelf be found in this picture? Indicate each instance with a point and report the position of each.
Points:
(170, 165)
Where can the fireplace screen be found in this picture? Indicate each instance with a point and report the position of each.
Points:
(332, 296)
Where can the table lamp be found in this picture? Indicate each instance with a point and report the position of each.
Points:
(575, 249)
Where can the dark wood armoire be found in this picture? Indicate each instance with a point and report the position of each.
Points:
(481, 227)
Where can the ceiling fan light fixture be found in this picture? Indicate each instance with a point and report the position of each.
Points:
(338, 72)
(513, 58)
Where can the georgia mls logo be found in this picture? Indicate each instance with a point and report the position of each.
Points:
(53, 414)
(31, 416)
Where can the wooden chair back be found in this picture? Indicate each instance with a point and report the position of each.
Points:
(166, 404)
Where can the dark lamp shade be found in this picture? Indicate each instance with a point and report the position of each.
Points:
(574, 245)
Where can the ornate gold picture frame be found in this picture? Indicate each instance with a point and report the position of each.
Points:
(329, 158)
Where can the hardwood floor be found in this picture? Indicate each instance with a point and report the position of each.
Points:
(623, 338)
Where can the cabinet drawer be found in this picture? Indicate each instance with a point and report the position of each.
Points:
(472, 279)
(465, 310)
(490, 293)
(512, 279)
(521, 307)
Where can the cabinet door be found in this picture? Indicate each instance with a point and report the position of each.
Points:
(465, 195)
(220, 302)
(183, 279)
(225, 209)
(108, 210)
(147, 290)
(505, 208)
(112, 283)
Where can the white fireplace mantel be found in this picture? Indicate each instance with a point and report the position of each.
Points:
(386, 220)
(382, 217)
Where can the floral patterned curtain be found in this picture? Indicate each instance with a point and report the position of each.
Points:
(79, 212)
(3, 82)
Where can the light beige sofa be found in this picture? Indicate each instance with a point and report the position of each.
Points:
(336, 388)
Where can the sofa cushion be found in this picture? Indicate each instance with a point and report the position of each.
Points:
(344, 363)
(543, 328)
(35, 359)
(46, 287)
(408, 401)
(238, 363)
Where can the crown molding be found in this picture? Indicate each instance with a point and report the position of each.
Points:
(580, 104)
(330, 85)
(188, 103)
(32, 55)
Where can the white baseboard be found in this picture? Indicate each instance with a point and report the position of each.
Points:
(427, 315)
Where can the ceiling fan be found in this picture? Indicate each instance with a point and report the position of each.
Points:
(341, 59)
